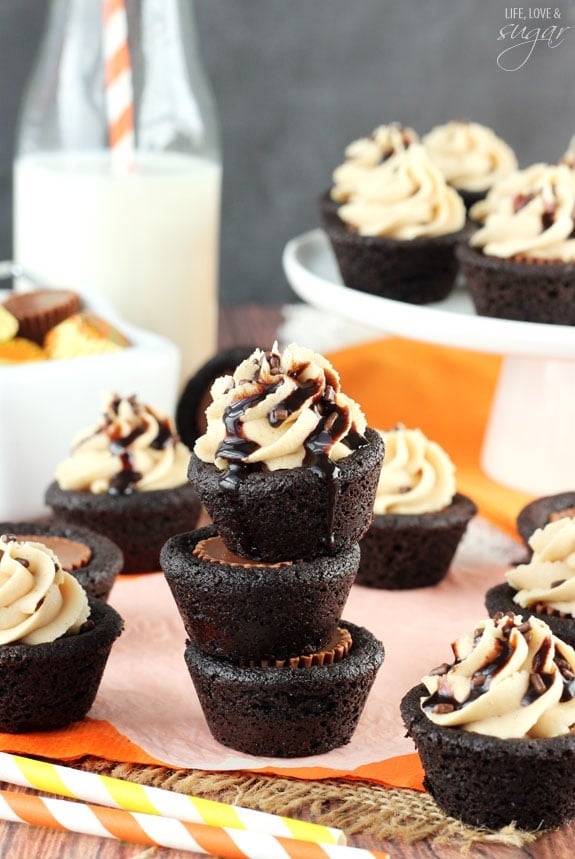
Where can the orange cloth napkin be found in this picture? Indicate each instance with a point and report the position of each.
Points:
(444, 391)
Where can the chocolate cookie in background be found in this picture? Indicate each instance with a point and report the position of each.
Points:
(492, 728)
(195, 398)
(396, 222)
(545, 586)
(520, 263)
(287, 468)
(419, 517)
(94, 560)
(470, 156)
(543, 510)
(126, 479)
(54, 642)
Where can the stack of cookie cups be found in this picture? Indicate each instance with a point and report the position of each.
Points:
(261, 593)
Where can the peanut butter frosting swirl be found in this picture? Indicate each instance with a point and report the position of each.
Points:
(529, 214)
(280, 410)
(39, 602)
(548, 580)
(364, 154)
(132, 448)
(417, 475)
(406, 197)
(509, 679)
(470, 156)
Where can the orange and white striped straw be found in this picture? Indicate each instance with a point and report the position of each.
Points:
(64, 815)
(118, 84)
(117, 793)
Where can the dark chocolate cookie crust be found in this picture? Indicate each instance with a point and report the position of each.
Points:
(243, 613)
(470, 198)
(489, 782)
(417, 271)
(293, 514)
(139, 523)
(400, 552)
(48, 686)
(526, 291)
(190, 418)
(99, 574)
(536, 514)
(286, 712)
(500, 598)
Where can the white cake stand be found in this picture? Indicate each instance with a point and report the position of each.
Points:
(529, 442)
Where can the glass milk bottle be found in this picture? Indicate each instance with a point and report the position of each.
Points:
(117, 172)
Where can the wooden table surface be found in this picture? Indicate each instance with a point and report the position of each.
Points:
(247, 325)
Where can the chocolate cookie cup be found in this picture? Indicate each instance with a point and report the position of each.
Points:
(543, 510)
(240, 610)
(94, 560)
(491, 782)
(284, 711)
(292, 514)
(50, 686)
(416, 271)
(500, 599)
(402, 551)
(527, 291)
(138, 523)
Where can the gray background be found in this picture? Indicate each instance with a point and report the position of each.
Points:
(296, 80)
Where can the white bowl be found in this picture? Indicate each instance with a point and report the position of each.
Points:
(44, 404)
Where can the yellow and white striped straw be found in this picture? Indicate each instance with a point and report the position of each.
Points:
(117, 793)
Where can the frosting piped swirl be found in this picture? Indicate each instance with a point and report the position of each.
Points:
(470, 156)
(362, 155)
(549, 577)
(509, 679)
(406, 197)
(529, 214)
(39, 602)
(133, 447)
(417, 475)
(280, 410)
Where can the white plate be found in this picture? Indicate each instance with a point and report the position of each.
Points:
(312, 271)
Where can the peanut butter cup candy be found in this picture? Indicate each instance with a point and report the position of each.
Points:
(419, 518)
(545, 586)
(126, 479)
(392, 220)
(93, 560)
(494, 728)
(520, 263)
(245, 610)
(288, 710)
(287, 468)
(54, 642)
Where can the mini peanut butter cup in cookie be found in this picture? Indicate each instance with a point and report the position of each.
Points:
(54, 649)
(126, 479)
(288, 467)
(520, 264)
(94, 560)
(545, 586)
(243, 610)
(396, 224)
(419, 518)
(286, 711)
(494, 728)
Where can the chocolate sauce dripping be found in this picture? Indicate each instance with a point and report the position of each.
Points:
(123, 482)
(235, 447)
